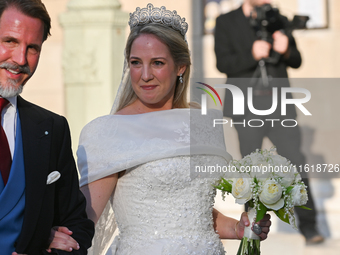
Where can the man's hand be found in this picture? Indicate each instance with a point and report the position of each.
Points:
(265, 224)
(261, 49)
(280, 43)
(14, 253)
(61, 239)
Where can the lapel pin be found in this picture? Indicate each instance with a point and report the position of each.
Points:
(45, 134)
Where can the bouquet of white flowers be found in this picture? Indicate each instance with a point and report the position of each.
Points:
(268, 182)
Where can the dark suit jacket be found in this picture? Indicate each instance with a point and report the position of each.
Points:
(234, 38)
(47, 148)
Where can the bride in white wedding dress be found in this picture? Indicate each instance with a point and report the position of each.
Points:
(143, 158)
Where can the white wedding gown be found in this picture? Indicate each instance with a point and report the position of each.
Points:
(161, 205)
(159, 209)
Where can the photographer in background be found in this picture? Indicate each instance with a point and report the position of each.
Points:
(253, 54)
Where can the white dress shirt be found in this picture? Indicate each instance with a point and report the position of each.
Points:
(9, 121)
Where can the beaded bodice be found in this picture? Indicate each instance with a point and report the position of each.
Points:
(160, 210)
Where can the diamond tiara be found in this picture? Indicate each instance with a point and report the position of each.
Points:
(161, 15)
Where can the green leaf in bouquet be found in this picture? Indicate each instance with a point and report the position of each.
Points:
(304, 207)
(249, 247)
(289, 189)
(224, 185)
(240, 247)
(220, 187)
(282, 215)
(261, 211)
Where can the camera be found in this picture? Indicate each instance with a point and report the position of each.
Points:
(266, 19)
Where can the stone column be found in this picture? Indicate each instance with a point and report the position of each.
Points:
(197, 50)
(93, 55)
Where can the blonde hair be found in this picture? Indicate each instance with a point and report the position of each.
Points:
(180, 53)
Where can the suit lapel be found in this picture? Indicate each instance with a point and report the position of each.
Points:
(36, 137)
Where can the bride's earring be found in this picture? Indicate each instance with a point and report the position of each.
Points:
(181, 78)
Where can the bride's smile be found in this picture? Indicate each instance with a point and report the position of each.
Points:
(153, 71)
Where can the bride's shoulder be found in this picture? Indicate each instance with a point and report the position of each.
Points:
(100, 123)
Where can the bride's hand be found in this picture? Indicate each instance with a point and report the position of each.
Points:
(265, 224)
(61, 239)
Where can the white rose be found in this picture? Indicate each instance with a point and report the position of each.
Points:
(287, 174)
(297, 177)
(261, 171)
(241, 189)
(244, 161)
(279, 160)
(254, 163)
(283, 169)
(299, 195)
(271, 195)
(256, 158)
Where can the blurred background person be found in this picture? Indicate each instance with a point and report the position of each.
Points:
(254, 46)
